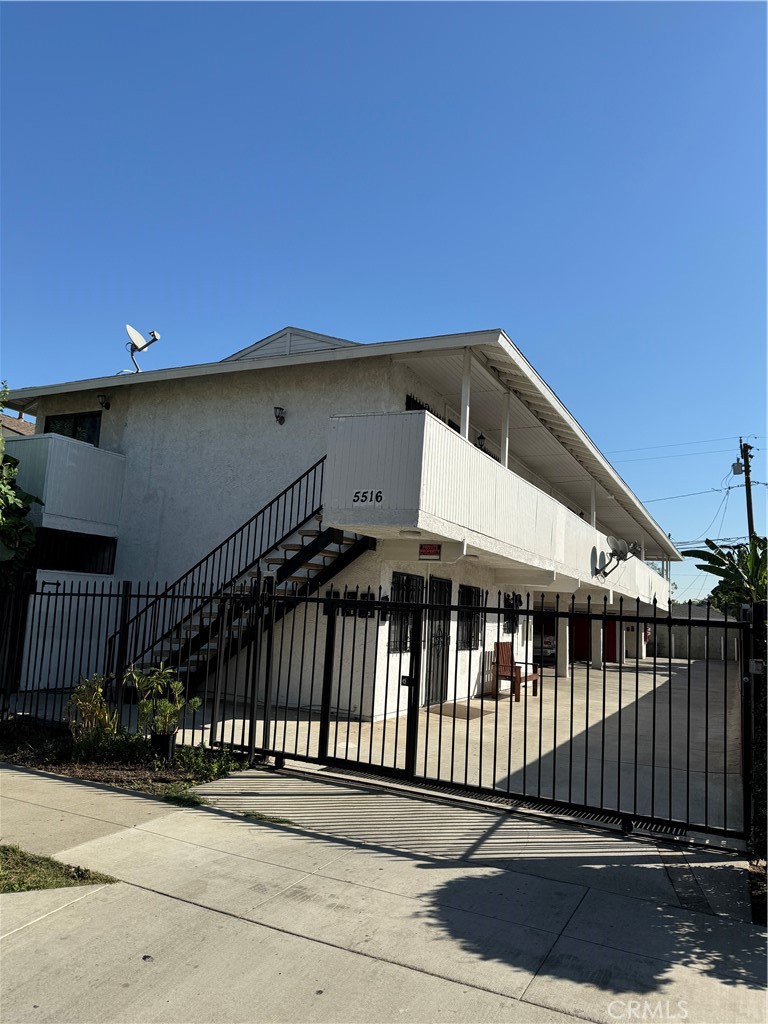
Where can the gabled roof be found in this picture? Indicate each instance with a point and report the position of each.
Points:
(290, 340)
(15, 425)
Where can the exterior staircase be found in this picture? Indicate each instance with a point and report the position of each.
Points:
(212, 610)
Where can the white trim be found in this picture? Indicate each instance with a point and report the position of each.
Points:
(508, 362)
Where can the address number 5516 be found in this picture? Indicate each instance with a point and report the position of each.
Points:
(363, 496)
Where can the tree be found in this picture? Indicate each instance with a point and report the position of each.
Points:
(17, 534)
(741, 569)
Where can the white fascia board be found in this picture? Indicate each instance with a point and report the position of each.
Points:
(586, 442)
(22, 399)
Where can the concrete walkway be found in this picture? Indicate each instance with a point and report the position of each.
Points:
(371, 906)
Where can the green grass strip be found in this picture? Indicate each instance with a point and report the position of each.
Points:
(21, 871)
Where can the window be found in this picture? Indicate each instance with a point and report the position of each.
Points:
(511, 617)
(405, 587)
(65, 551)
(82, 426)
(470, 618)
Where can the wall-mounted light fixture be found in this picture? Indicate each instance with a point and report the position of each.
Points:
(103, 401)
(280, 414)
(481, 439)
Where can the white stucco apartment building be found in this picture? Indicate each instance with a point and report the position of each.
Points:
(450, 453)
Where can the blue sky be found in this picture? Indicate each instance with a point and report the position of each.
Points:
(590, 177)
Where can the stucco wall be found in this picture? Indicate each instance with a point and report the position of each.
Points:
(204, 454)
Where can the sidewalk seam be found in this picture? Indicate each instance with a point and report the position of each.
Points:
(79, 814)
(42, 917)
(355, 952)
(556, 940)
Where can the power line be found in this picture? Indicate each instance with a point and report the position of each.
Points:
(680, 444)
(679, 455)
(691, 494)
(717, 540)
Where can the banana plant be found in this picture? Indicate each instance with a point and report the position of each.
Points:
(741, 570)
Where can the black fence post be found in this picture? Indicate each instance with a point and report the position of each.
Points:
(14, 608)
(753, 705)
(269, 616)
(412, 721)
(255, 656)
(328, 660)
(121, 658)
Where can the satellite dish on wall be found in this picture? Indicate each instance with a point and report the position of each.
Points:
(139, 343)
(620, 552)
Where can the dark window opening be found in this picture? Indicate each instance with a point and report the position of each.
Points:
(470, 618)
(65, 551)
(512, 602)
(82, 426)
(406, 588)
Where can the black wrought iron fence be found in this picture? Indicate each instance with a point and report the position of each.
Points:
(586, 708)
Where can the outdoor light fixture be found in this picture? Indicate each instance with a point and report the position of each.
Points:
(481, 439)
(280, 414)
(103, 401)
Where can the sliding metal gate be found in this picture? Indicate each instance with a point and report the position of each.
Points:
(643, 718)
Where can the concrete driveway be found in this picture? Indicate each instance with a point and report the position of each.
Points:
(372, 906)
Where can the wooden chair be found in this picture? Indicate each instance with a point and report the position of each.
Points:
(504, 667)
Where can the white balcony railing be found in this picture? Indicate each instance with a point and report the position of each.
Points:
(393, 471)
(81, 487)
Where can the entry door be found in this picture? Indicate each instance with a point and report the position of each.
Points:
(438, 635)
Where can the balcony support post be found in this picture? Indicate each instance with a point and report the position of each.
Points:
(505, 433)
(562, 651)
(593, 505)
(596, 627)
(465, 389)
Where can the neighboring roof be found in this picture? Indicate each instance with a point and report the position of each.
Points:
(290, 341)
(15, 425)
(543, 433)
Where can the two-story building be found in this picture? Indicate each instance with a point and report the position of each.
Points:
(443, 466)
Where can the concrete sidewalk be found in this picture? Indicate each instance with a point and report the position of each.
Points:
(372, 906)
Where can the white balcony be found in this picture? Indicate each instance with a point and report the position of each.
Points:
(81, 487)
(391, 473)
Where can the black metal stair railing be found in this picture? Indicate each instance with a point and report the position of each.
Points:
(219, 570)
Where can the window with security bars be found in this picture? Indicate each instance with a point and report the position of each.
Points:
(82, 426)
(470, 618)
(406, 588)
(512, 602)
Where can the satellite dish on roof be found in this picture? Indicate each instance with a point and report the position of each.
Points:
(139, 343)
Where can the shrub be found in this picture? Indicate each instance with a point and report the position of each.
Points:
(162, 704)
(90, 718)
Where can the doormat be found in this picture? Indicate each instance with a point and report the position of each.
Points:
(453, 710)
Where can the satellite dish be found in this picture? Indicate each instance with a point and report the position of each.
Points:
(614, 545)
(138, 341)
(623, 550)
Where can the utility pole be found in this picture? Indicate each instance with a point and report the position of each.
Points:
(745, 450)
